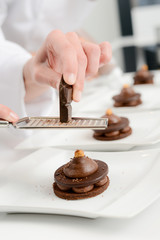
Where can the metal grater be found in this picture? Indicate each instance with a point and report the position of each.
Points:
(64, 121)
(54, 122)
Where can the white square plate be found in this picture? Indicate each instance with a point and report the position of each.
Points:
(145, 126)
(134, 184)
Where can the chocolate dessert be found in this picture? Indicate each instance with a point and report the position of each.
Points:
(127, 97)
(81, 178)
(143, 76)
(118, 127)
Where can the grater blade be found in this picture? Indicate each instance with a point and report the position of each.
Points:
(54, 122)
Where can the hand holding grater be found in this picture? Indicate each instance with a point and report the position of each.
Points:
(65, 120)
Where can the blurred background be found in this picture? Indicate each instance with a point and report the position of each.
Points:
(132, 27)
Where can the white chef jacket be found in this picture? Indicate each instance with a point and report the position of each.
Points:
(24, 24)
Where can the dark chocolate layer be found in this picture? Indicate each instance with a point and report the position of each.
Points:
(122, 99)
(70, 195)
(146, 81)
(61, 179)
(112, 138)
(129, 104)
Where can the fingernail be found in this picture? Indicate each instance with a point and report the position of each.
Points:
(71, 78)
(77, 95)
(13, 117)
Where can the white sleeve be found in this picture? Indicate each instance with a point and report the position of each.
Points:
(12, 89)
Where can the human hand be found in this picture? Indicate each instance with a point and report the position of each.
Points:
(7, 114)
(64, 54)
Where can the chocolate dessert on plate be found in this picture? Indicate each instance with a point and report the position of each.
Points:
(143, 76)
(127, 97)
(81, 178)
(118, 127)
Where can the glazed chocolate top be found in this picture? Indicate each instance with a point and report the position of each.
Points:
(143, 73)
(80, 167)
(115, 127)
(112, 118)
(101, 172)
(127, 94)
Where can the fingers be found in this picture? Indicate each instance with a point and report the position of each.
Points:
(82, 64)
(7, 114)
(93, 53)
(62, 56)
(106, 53)
(97, 56)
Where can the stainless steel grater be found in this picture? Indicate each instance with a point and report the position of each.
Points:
(64, 121)
(54, 122)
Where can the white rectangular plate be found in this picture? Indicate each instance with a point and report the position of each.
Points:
(145, 126)
(134, 184)
(98, 98)
(98, 103)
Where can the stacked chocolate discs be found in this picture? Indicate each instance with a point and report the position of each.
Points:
(118, 127)
(143, 76)
(127, 97)
(81, 178)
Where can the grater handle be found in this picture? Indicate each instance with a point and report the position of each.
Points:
(4, 124)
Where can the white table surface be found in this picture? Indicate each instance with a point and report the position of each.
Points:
(145, 226)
